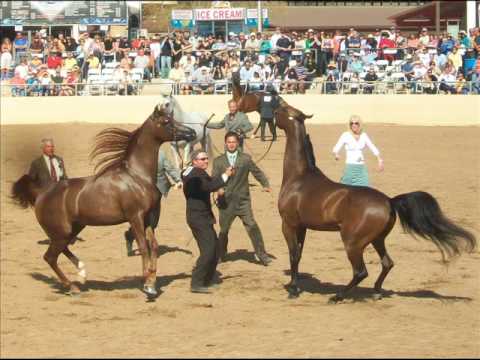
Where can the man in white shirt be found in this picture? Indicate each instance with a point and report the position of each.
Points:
(155, 49)
(246, 71)
(141, 62)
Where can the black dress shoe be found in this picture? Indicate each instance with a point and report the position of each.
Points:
(200, 290)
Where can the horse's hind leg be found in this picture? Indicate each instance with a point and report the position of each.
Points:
(57, 246)
(355, 255)
(387, 265)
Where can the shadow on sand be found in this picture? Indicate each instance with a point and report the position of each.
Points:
(308, 283)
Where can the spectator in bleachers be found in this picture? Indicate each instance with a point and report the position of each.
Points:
(126, 83)
(464, 40)
(447, 44)
(45, 83)
(461, 84)
(123, 47)
(246, 71)
(54, 59)
(18, 84)
(37, 45)
(303, 76)
(456, 58)
(412, 43)
(142, 62)
(419, 71)
(177, 49)
(333, 76)
(447, 81)
(72, 79)
(469, 63)
(6, 59)
(475, 78)
(424, 37)
(370, 78)
(265, 45)
(71, 44)
(202, 81)
(386, 43)
(356, 64)
(57, 81)
(284, 47)
(22, 68)
(187, 63)
(155, 50)
(32, 83)
(177, 75)
(56, 46)
(70, 61)
(429, 82)
(166, 49)
(20, 46)
(252, 46)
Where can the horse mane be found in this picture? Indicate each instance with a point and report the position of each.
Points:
(114, 144)
(311, 163)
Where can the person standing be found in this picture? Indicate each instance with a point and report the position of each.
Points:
(355, 140)
(234, 200)
(164, 168)
(235, 121)
(48, 167)
(197, 186)
(166, 51)
(268, 103)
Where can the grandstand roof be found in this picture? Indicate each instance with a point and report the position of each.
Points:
(334, 17)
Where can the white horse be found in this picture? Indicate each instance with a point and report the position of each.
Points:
(195, 121)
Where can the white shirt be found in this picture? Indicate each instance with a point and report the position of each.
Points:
(155, 49)
(232, 157)
(355, 147)
(56, 165)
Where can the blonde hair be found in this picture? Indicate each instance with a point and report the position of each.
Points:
(358, 119)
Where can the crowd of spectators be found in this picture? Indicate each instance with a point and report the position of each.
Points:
(292, 61)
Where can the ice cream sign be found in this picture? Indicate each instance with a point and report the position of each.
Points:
(219, 14)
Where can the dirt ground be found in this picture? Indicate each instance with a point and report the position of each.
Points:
(429, 310)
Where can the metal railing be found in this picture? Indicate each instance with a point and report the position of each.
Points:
(225, 87)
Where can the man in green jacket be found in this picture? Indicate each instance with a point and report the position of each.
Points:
(234, 200)
(235, 121)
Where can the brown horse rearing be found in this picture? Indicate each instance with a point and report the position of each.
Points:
(122, 190)
(362, 215)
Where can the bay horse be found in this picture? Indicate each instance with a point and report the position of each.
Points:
(122, 190)
(310, 200)
(247, 101)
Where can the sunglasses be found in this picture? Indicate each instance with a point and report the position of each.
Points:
(202, 159)
(354, 123)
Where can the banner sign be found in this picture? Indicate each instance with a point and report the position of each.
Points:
(219, 14)
(182, 14)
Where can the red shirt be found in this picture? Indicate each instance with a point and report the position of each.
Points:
(54, 61)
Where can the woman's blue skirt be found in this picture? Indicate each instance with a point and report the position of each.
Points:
(355, 174)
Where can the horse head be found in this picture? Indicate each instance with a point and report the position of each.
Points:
(287, 115)
(165, 126)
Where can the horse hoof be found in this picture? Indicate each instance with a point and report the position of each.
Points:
(335, 299)
(293, 295)
(73, 291)
(150, 291)
(377, 296)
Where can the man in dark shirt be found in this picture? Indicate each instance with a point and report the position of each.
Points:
(197, 186)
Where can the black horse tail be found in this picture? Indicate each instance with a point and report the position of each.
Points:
(25, 192)
(421, 215)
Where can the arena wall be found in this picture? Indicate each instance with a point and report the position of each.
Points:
(446, 110)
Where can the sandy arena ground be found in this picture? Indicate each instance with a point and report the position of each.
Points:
(430, 311)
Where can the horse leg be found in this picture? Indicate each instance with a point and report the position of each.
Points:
(153, 250)
(80, 265)
(57, 246)
(301, 232)
(290, 234)
(138, 228)
(355, 255)
(387, 265)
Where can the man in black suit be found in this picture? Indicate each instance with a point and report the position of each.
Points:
(48, 167)
(197, 186)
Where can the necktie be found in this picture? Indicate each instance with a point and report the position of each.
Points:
(53, 172)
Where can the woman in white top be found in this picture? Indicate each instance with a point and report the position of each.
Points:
(355, 140)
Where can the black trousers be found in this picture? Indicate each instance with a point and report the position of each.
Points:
(271, 126)
(206, 265)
